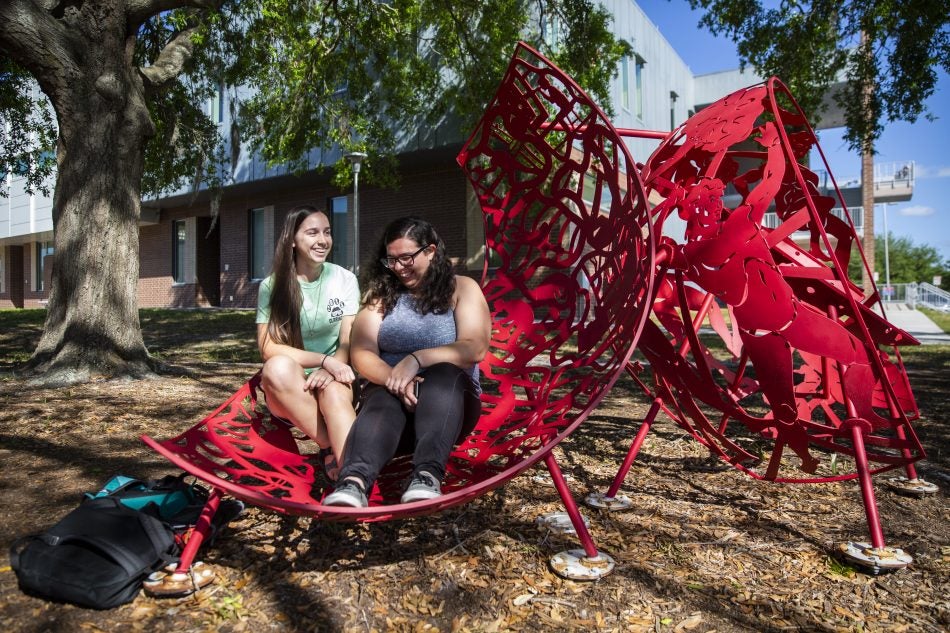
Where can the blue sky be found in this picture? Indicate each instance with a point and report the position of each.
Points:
(925, 219)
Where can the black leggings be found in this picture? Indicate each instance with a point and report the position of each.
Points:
(447, 410)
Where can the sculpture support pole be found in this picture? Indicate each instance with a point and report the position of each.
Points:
(587, 542)
(200, 532)
(634, 448)
(867, 489)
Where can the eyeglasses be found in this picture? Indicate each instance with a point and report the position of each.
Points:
(404, 260)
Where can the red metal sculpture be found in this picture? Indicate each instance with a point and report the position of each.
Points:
(805, 361)
(569, 274)
(569, 269)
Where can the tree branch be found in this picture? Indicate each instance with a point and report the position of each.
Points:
(141, 10)
(36, 41)
(170, 61)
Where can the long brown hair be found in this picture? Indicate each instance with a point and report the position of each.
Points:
(285, 296)
(438, 285)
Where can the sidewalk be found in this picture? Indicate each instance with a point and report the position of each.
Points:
(916, 323)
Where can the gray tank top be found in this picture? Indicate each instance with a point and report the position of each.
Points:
(404, 330)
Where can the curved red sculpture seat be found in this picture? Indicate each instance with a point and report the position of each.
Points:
(569, 268)
(802, 365)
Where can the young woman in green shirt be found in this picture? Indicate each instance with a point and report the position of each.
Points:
(305, 312)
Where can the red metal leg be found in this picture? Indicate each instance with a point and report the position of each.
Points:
(576, 519)
(635, 447)
(867, 489)
(189, 576)
(200, 532)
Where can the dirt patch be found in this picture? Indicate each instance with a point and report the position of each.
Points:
(703, 548)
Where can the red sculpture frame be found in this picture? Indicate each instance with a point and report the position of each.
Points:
(568, 277)
(809, 362)
(573, 272)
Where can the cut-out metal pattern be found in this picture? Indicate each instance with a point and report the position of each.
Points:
(801, 356)
(568, 280)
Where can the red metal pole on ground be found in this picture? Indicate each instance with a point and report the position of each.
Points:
(867, 489)
(199, 533)
(635, 447)
(569, 504)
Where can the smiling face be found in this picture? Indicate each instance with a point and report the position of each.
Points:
(312, 242)
(412, 275)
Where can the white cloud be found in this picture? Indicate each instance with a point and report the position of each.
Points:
(917, 211)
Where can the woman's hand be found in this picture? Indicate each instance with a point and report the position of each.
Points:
(410, 394)
(340, 371)
(402, 376)
(332, 370)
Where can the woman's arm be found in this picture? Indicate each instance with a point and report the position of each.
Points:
(269, 348)
(336, 364)
(364, 348)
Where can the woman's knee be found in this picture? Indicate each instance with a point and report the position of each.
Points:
(281, 373)
(443, 374)
(337, 397)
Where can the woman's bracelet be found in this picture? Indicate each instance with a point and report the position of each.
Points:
(416, 358)
(323, 360)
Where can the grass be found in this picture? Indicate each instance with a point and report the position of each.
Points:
(942, 319)
(202, 335)
(175, 336)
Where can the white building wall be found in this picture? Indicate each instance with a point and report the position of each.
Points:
(24, 217)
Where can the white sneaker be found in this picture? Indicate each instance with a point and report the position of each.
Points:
(422, 486)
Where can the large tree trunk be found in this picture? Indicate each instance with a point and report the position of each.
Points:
(92, 326)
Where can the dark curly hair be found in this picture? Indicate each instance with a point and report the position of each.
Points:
(438, 285)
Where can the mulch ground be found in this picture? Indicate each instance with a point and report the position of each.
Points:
(703, 548)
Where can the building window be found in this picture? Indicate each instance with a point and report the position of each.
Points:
(216, 105)
(3, 270)
(673, 97)
(625, 82)
(41, 251)
(638, 85)
(596, 194)
(183, 251)
(261, 249)
(340, 224)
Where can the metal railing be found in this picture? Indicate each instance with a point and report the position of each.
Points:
(896, 174)
(930, 296)
(916, 295)
(770, 220)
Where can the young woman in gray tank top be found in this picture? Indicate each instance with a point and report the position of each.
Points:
(417, 340)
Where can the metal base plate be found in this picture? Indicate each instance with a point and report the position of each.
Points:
(544, 478)
(576, 565)
(559, 522)
(873, 559)
(912, 487)
(168, 584)
(602, 501)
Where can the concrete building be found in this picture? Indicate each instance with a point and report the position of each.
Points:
(189, 258)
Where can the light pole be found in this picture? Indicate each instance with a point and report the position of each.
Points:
(887, 260)
(356, 158)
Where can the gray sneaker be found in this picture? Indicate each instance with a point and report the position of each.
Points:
(422, 486)
(347, 493)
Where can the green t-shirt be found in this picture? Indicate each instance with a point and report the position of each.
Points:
(326, 300)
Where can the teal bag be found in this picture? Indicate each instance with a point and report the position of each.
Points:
(170, 498)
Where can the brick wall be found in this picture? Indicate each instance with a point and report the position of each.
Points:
(13, 283)
(434, 192)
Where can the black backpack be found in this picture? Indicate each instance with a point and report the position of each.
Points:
(97, 556)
